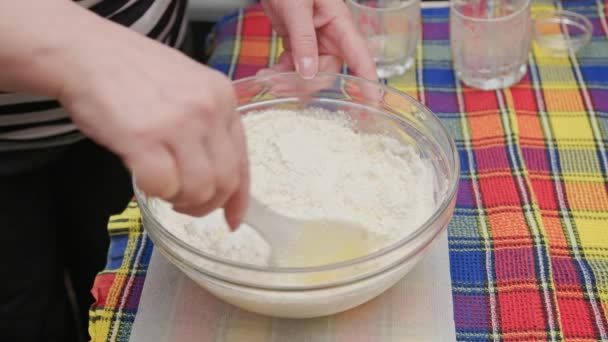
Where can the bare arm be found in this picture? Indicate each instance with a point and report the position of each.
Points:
(36, 39)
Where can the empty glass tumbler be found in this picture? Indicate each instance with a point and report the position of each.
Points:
(490, 41)
(391, 29)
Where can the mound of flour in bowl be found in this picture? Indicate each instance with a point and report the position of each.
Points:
(313, 164)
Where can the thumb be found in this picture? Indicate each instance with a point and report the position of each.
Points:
(302, 38)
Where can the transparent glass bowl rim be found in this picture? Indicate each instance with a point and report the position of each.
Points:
(441, 208)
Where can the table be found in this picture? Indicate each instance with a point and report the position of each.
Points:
(528, 244)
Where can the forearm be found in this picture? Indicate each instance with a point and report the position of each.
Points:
(39, 41)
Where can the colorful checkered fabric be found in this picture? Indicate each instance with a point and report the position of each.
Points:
(118, 288)
(529, 237)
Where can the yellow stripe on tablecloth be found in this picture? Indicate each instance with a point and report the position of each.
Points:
(101, 325)
(592, 234)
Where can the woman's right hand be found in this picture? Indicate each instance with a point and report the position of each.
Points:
(172, 120)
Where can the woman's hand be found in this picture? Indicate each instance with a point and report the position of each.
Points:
(172, 120)
(317, 36)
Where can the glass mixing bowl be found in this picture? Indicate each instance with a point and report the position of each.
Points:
(323, 290)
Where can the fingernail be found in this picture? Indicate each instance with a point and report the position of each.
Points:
(233, 223)
(306, 67)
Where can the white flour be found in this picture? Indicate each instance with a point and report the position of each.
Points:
(314, 165)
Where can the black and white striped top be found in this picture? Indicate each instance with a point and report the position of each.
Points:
(28, 121)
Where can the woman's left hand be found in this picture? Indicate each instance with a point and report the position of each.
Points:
(318, 35)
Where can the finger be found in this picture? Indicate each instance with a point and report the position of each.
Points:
(284, 63)
(221, 174)
(327, 63)
(236, 205)
(330, 63)
(224, 155)
(226, 168)
(298, 20)
(264, 71)
(204, 208)
(155, 170)
(275, 20)
(199, 210)
(272, 70)
(355, 52)
(352, 46)
(371, 92)
(197, 183)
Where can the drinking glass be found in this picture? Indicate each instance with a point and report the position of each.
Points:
(490, 41)
(391, 29)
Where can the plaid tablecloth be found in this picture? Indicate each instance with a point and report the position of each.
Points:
(529, 238)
